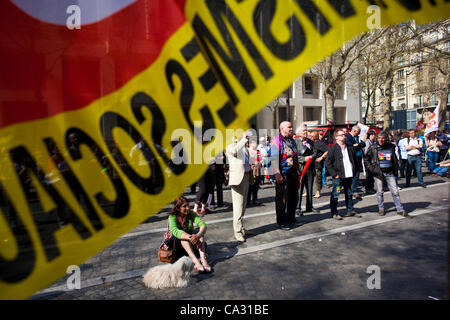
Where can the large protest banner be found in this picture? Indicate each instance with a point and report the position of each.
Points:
(96, 97)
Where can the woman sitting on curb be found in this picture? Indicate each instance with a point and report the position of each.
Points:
(181, 225)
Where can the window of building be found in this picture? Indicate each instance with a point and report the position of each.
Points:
(308, 85)
(401, 74)
(420, 101)
(401, 61)
(401, 89)
(433, 99)
(432, 82)
(433, 36)
(402, 103)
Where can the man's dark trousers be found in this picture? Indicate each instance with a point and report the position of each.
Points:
(346, 184)
(307, 182)
(286, 197)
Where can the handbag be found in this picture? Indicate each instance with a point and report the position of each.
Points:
(165, 254)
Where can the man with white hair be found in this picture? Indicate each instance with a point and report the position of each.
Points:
(352, 141)
(306, 153)
(283, 157)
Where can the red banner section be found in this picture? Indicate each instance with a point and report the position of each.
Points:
(47, 69)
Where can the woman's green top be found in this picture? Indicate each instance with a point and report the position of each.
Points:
(190, 220)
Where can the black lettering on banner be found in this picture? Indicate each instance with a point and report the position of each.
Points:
(414, 5)
(220, 11)
(23, 264)
(208, 80)
(173, 67)
(141, 100)
(190, 50)
(344, 7)
(377, 3)
(227, 113)
(316, 17)
(155, 182)
(21, 155)
(122, 201)
(76, 187)
(263, 17)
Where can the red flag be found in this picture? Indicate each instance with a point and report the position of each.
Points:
(303, 172)
(420, 125)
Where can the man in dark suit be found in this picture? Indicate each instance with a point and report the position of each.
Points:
(341, 164)
(352, 140)
(306, 152)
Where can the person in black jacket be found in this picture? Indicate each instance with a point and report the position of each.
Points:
(352, 140)
(341, 164)
(382, 162)
(306, 151)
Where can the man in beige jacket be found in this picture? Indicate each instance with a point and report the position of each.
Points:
(240, 170)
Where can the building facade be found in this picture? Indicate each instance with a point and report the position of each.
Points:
(304, 101)
(421, 74)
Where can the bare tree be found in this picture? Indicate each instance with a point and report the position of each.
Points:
(332, 71)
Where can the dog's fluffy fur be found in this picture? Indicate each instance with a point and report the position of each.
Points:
(169, 275)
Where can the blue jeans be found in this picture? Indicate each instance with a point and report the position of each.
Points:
(346, 183)
(416, 162)
(432, 159)
(324, 176)
(391, 182)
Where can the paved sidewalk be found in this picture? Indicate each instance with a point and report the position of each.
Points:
(322, 259)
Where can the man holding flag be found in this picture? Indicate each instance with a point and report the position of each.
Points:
(307, 155)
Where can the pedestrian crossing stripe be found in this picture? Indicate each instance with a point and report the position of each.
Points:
(212, 62)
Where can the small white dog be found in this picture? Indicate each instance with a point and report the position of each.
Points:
(169, 275)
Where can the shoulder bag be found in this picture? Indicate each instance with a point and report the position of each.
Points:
(165, 253)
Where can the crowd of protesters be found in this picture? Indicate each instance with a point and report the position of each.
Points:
(298, 164)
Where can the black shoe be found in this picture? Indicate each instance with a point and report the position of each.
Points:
(297, 223)
(423, 185)
(370, 191)
(256, 203)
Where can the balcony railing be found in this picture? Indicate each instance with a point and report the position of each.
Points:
(430, 88)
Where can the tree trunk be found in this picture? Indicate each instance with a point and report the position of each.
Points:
(387, 112)
(443, 109)
(329, 107)
(367, 109)
(274, 118)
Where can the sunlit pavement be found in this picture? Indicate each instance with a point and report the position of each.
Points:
(321, 259)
